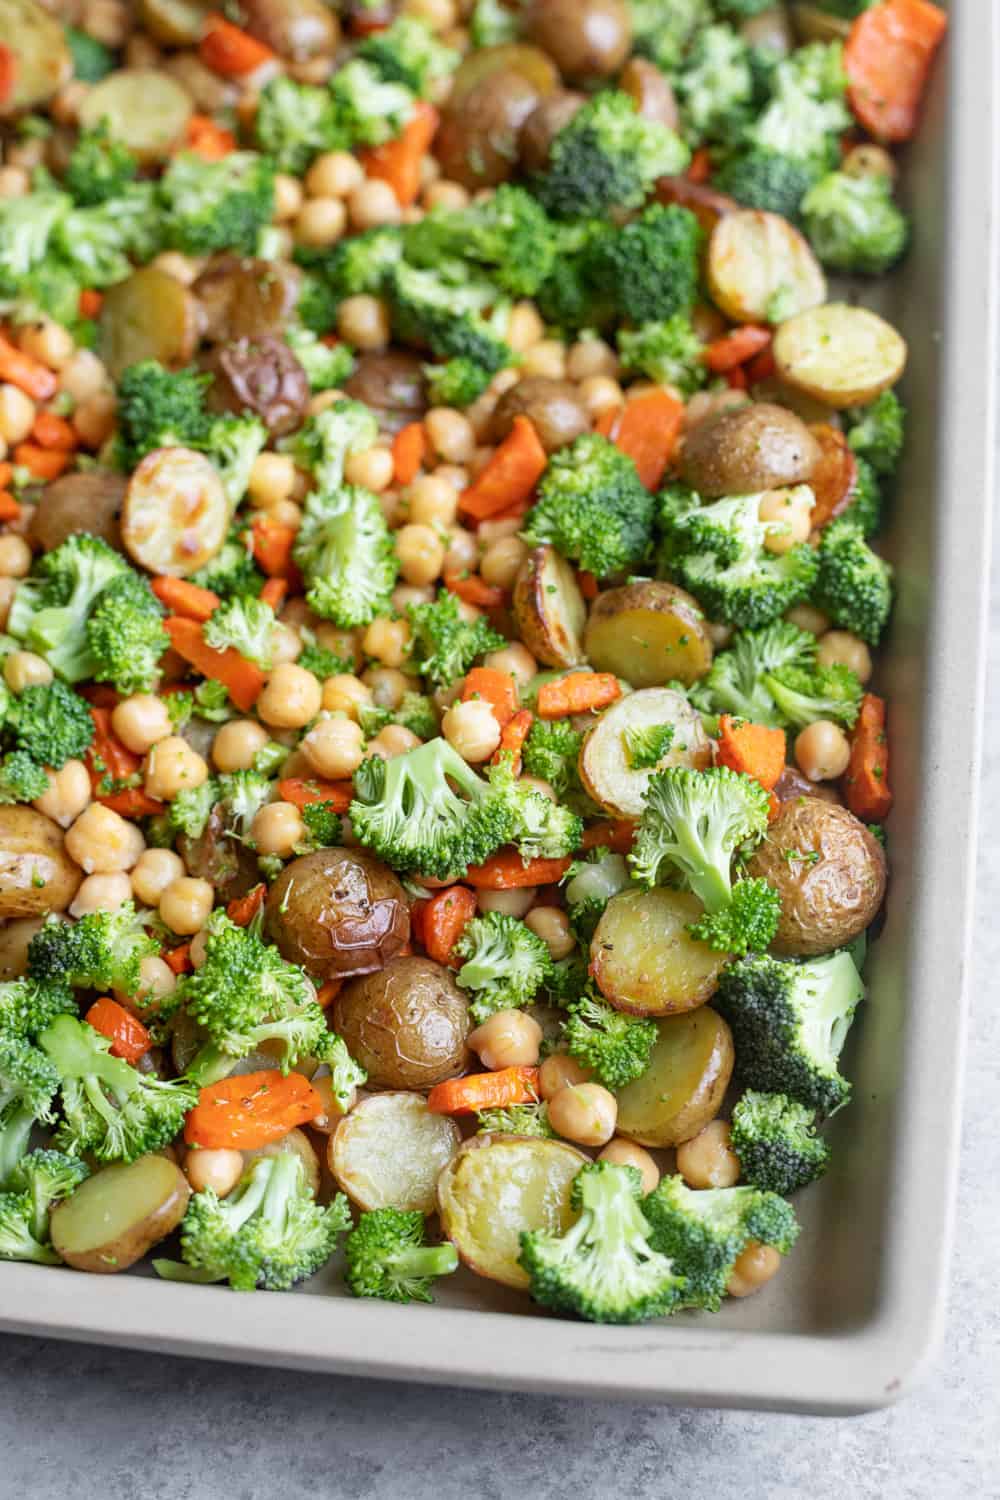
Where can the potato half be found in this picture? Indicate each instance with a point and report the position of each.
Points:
(758, 263)
(605, 766)
(648, 634)
(685, 1083)
(388, 1152)
(549, 608)
(643, 958)
(840, 354)
(36, 874)
(120, 1213)
(145, 109)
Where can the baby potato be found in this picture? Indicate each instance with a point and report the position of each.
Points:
(149, 315)
(549, 608)
(406, 1025)
(748, 449)
(388, 1152)
(176, 513)
(643, 958)
(39, 59)
(116, 1216)
(759, 264)
(648, 634)
(296, 1143)
(683, 1087)
(145, 109)
(36, 874)
(841, 355)
(605, 766)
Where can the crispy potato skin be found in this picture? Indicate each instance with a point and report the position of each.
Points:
(36, 874)
(549, 608)
(648, 634)
(90, 501)
(338, 912)
(751, 448)
(604, 764)
(687, 1078)
(829, 871)
(406, 1025)
(131, 1229)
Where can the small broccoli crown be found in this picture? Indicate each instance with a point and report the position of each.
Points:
(92, 61)
(876, 432)
(327, 366)
(22, 779)
(388, 1256)
(28, 1084)
(232, 569)
(370, 109)
(573, 295)
(99, 168)
(454, 312)
(518, 1119)
(775, 1139)
(322, 825)
(592, 506)
(718, 553)
(126, 636)
(104, 950)
(666, 350)
(747, 924)
(345, 551)
(49, 722)
(269, 1232)
(458, 382)
(408, 52)
(607, 156)
(191, 808)
(504, 963)
(615, 1046)
(804, 694)
(444, 645)
(715, 86)
(247, 625)
(853, 224)
(551, 753)
(736, 683)
(232, 443)
(109, 1109)
(50, 608)
(26, 228)
(853, 584)
(704, 1232)
(363, 262)
(766, 180)
(316, 312)
(45, 1178)
(790, 1022)
(691, 827)
(217, 205)
(492, 24)
(18, 1240)
(159, 408)
(323, 663)
(28, 1005)
(509, 234)
(662, 30)
(604, 1268)
(295, 121)
(645, 747)
(98, 242)
(541, 828)
(243, 794)
(808, 112)
(864, 507)
(651, 266)
(324, 443)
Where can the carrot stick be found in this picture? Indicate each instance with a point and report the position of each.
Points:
(208, 140)
(754, 749)
(700, 165)
(10, 510)
(736, 347)
(251, 1110)
(398, 161)
(409, 449)
(887, 57)
(443, 919)
(52, 431)
(108, 757)
(273, 593)
(29, 375)
(607, 422)
(243, 909)
(616, 834)
(472, 589)
(90, 302)
(272, 546)
(8, 73)
(129, 1038)
(229, 50)
(6, 475)
(507, 871)
(737, 378)
(577, 693)
(497, 688)
(510, 476)
(587, 584)
(866, 783)
(327, 993)
(184, 598)
(178, 960)
(41, 463)
(242, 679)
(647, 431)
(303, 792)
(512, 738)
(465, 1096)
(833, 478)
(761, 367)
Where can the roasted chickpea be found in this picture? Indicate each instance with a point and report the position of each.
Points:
(371, 204)
(754, 1268)
(171, 767)
(625, 1153)
(431, 501)
(140, 721)
(17, 414)
(154, 870)
(334, 174)
(585, 1113)
(508, 1039)
(450, 434)
(67, 794)
(471, 728)
(237, 743)
(807, 617)
(501, 561)
(344, 694)
(157, 979)
(15, 556)
(23, 669)
(101, 893)
(291, 697)
(559, 1071)
(791, 511)
(278, 829)
(102, 841)
(515, 659)
(372, 469)
(509, 903)
(364, 321)
(388, 685)
(219, 1169)
(708, 1160)
(387, 641)
(394, 739)
(839, 648)
(334, 748)
(272, 478)
(552, 926)
(420, 553)
(186, 905)
(822, 751)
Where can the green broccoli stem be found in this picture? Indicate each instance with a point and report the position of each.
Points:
(14, 1138)
(176, 1270)
(210, 1064)
(423, 1260)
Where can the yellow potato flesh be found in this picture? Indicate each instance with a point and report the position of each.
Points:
(643, 958)
(389, 1151)
(683, 1087)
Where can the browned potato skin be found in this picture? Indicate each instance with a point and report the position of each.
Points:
(549, 634)
(36, 874)
(137, 1240)
(686, 1104)
(612, 639)
(148, 316)
(705, 203)
(90, 501)
(552, 406)
(218, 857)
(791, 784)
(295, 29)
(176, 23)
(476, 142)
(240, 297)
(543, 125)
(393, 384)
(511, 57)
(827, 901)
(651, 91)
(262, 376)
(406, 1025)
(584, 38)
(757, 447)
(338, 912)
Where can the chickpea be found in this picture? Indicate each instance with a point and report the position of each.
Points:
(237, 743)
(8, 588)
(157, 979)
(372, 204)
(387, 641)
(219, 1169)
(791, 510)
(272, 478)
(286, 643)
(869, 161)
(343, 643)
(278, 828)
(14, 182)
(807, 617)
(183, 268)
(508, 1039)
(154, 871)
(822, 751)
(547, 357)
(707, 1160)
(102, 842)
(84, 376)
(510, 903)
(67, 794)
(471, 728)
(15, 556)
(420, 553)
(450, 434)
(439, 15)
(107, 21)
(334, 174)
(393, 740)
(625, 1153)
(463, 551)
(599, 393)
(286, 513)
(344, 694)
(524, 327)
(515, 659)
(432, 501)
(333, 1110)
(171, 767)
(560, 1071)
(444, 194)
(403, 595)
(186, 905)
(841, 648)
(373, 469)
(334, 748)
(66, 105)
(17, 414)
(585, 1113)
(94, 419)
(288, 197)
(552, 926)
(754, 1268)
(536, 784)
(320, 222)
(23, 669)
(101, 893)
(501, 562)
(364, 321)
(291, 697)
(48, 342)
(388, 686)
(140, 721)
(590, 357)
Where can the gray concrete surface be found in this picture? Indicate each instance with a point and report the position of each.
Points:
(98, 1424)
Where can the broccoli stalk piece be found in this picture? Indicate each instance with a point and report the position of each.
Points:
(775, 1139)
(104, 950)
(615, 1046)
(51, 609)
(509, 234)
(345, 551)
(22, 779)
(28, 1084)
(217, 205)
(607, 157)
(370, 109)
(269, 1232)
(715, 86)
(790, 1022)
(45, 1178)
(327, 439)
(326, 366)
(693, 824)
(876, 432)
(126, 637)
(592, 506)
(767, 180)
(388, 1256)
(705, 1232)
(408, 52)
(853, 224)
(296, 121)
(49, 722)
(444, 645)
(504, 963)
(159, 408)
(853, 584)
(456, 313)
(604, 1268)
(518, 1119)
(650, 269)
(99, 168)
(247, 625)
(667, 351)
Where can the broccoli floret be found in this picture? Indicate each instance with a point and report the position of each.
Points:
(444, 645)
(369, 109)
(651, 267)
(455, 312)
(211, 701)
(28, 1084)
(876, 432)
(97, 242)
(607, 156)
(44, 1178)
(705, 1232)
(109, 1109)
(804, 694)
(864, 507)
(504, 963)
(126, 636)
(509, 233)
(217, 205)
(232, 569)
(316, 304)
(92, 61)
(323, 663)
(593, 507)
(604, 1268)
(808, 112)
(415, 712)
(541, 828)
(159, 408)
(853, 224)
(232, 443)
(775, 1139)
(362, 262)
(718, 553)
(615, 1046)
(790, 1022)
(323, 826)
(269, 1232)
(715, 86)
(324, 443)
(345, 551)
(388, 1256)
(667, 351)
(247, 625)
(104, 950)
(663, 29)
(590, 884)
(736, 682)
(327, 366)
(50, 723)
(51, 290)
(575, 295)
(22, 779)
(244, 793)
(766, 180)
(854, 584)
(18, 1240)
(408, 52)
(457, 383)
(28, 1005)
(551, 753)
(493, 24)
(518, 1119)
(98, 167)
(50, 610)
(191, 808)
(27, 225)
(646, 747)
(295, 121)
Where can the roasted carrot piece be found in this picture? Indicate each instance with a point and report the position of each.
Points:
(207, 139)
(833, 477)
(409, 449)
(41, 463)
(52, 431)
(251, 1110)
(700, 165)
(178, 960)
(736, 347)
(243, 909)
(243, 680)
(647, 430)
(273, 592)
(866, 782)
(90, 303)
(761, 367)
(472, 589)
(887, 59)
(465, 1096)
(577, 693)
(443, 920)
(398, 161)
(507, 871)
(229, 50)
(184, 598)
(754, 749)
(509, 477)
(8, 73)
(497, 688)
(272, 546)
(737, 378)
(512, 738)
(616, 834)
(587, 584)
(303, 792)
(327, 993)
(129, 1038)
(10, 510)
(29, 375)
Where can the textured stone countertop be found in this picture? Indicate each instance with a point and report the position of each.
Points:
(102, 1424)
